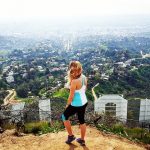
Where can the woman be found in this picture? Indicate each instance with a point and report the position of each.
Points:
(77, 101)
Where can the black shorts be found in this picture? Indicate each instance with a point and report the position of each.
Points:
(71, 110)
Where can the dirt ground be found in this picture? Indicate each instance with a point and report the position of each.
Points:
(95, 140)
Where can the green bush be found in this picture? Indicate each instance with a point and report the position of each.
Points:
(43, 127)
(89, 95)
(139, 133)
(103, 127)
(26, 100)
(51, 127)
(8, 126)
(62, 93)
(146, 138)
(136, 134)
(118, 128)
(34, 127)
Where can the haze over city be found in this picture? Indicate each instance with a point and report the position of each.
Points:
(19, 10)
(32, 16)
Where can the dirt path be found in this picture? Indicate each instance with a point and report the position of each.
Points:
(6, 99)
(95, 140)
(10, 98)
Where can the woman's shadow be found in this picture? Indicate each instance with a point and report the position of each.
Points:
(73, 146)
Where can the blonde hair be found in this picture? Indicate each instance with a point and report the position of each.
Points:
(75, 70)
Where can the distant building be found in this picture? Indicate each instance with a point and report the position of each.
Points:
(10, 79)
(128, 62)
(113, 104)
(134, 68)
(5, 69)
(145, 56)
(40, 68)
(120, 64)
(24, 75)
(104, 76)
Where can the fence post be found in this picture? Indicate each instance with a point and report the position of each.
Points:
(142, 130)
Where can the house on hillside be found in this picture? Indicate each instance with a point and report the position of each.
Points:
(145, 56)
(113, 104)
(10, 79)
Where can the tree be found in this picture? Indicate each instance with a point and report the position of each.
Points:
(22, 90)
(3, 85)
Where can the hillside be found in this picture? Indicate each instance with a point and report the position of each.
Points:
(95, 140)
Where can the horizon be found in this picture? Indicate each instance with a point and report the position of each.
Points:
(45, 26)
(42, 17)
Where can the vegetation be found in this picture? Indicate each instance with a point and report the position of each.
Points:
(3, 94)
(4, 52)
(22, 90)
(33, 86)
(62, 93)
(3, 85)
(112, 125)
(132, 84)
(89, 50)
(26, 100)
(43, 127)
(89, 95)
(2, 59)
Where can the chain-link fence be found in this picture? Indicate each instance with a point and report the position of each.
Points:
(31, 113)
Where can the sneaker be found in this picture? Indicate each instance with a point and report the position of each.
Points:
(70, 139)
(80, 141)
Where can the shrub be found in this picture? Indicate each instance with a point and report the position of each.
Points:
(8, 126)
(61, 93)
(43, 127)
(135, 132)
(118, 128)
(103, 127)
(33, 127)
(146, 138)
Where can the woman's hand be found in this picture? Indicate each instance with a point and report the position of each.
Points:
(67, 105)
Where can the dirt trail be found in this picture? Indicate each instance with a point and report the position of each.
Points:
(95, 140)
(10, 98)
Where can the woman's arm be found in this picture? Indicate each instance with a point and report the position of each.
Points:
(86, 82)
(72, 91)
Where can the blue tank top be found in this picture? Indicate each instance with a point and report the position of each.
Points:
(80, 98)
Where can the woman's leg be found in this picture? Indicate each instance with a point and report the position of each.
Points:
(67, 125)
(70, 110)
(83, 130)
(81, 113)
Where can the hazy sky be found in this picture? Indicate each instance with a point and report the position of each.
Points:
(28, 9)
